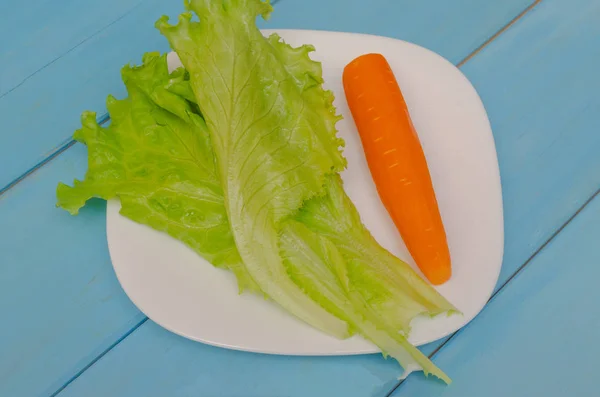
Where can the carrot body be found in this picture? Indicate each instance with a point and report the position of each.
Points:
(397, 162)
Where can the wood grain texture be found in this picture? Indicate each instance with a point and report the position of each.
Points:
(68, 54)
(546, 320)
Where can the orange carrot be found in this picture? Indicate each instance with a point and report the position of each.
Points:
(397, 162)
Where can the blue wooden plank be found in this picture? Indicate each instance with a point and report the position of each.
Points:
(539, 336)
(60, 301)
(80, 55)
(539, 83)
(43, 31)
(197, 369)
(545, 127)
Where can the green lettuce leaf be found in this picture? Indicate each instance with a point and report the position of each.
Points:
(272, 131)
(385, 284)
(382, 294)
(156, 157)
(319, 266)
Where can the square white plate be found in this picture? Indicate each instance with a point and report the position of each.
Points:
(182, 292)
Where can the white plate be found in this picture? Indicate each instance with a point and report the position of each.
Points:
(180, 291)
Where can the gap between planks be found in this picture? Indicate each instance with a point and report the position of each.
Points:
(498, 33)
(99, 356)
(105, 118)
(70, 50)
(61, 149)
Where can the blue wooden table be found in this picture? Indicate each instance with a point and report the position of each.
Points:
(67, 329)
